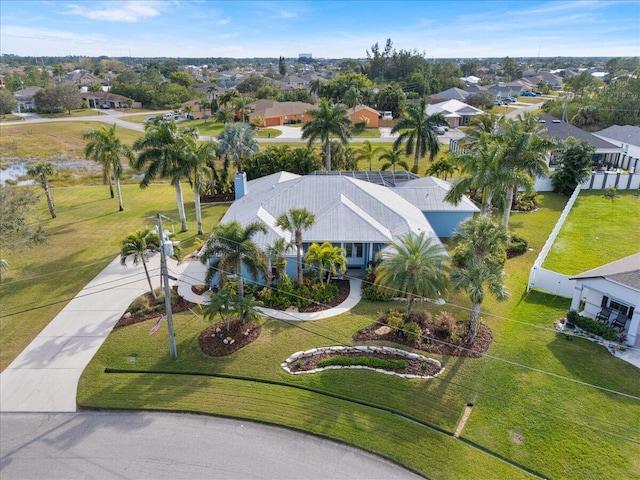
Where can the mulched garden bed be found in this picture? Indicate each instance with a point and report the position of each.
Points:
(343, 293)
(211, 340)
(413, 367)
(441, 345)
(179, 305)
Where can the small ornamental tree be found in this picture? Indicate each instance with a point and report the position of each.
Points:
(575, 165)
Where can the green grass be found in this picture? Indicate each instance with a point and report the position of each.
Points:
(366, 133)
(52, 141)
(597, 231)
(85, 237)
(534, 419)
(522, 99)
(82, 112)
(268, 133)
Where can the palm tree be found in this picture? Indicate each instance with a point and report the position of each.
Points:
(200, 158)
(483, 239)
(227, 97)
(136, 245)
(525, 154)
(41, 171)
(329, 119)
(106, 148)
(4, 267)
(414, 266)
(295, 221)
(392, 158)
(481, 172)
(237, 142)
(223, 302)
(415, 128)
(165, 152)
(444, 166)
(276, 253)
(367, 152)
(230, 248)
(475, 277)
(328, 258)
(241, 106)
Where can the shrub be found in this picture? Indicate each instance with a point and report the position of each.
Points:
(395, 320)
(138, 304)
(376, 293)
(421, 317)
(447, 322)
(373, 362)
(592, 326)
(525, 202)
(516, 245)
(412, 330)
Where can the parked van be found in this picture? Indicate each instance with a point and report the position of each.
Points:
(170, 116)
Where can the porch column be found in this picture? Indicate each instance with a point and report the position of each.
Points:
(577, 295)
(633, 335)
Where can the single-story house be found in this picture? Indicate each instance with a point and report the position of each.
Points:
(455, 112)
(102, 99)
(25, 99)
(363, 113)
(615, 286)
(453, 93)
(358, 215)
(274, 113)
(606, 153)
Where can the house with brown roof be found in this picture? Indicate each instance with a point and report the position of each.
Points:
(107, 100)
(363, 113)
(275, 113)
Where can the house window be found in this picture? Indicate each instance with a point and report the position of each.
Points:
(621, 307)
(354, 250)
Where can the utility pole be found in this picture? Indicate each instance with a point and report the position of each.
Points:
(167, 291)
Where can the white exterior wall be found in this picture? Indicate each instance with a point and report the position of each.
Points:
(593, 289)
(597, 181)
(630, 150)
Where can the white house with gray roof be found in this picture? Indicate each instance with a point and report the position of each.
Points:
(626, 137)
(614, 288)
(455, 112)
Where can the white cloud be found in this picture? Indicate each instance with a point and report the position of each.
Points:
(128, 11)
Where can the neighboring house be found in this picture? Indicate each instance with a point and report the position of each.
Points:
(25, 99)
(502, 90)
(363, 113)
(615, 286)
(102, 99)
(427, 193)
(471, 79)
(291, 82)
(606, 153)
(359, 216)
(627, 137)
(81, 77)
(456, 113)
(452, 94)
(279, 113)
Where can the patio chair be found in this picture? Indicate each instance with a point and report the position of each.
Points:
(604, 315)
(620, 321)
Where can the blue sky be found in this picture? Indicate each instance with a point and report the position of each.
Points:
(332, 29)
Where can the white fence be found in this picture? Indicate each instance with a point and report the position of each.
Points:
(598, 181)
(546, 279)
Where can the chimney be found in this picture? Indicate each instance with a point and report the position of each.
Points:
(240, 184)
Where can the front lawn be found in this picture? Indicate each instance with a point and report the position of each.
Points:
(597, 231)
(542, 402)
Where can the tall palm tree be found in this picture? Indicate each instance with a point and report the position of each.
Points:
(230, 248)
(328, 258)
(165, 152)
(414, 266)
(236, 142)
(483, 239)
(525, 154)
(136, 245)
(241, 106)
(41, 171)
(415, 128)
(106, 148)
(329, 119)
(367, 152)
(478, 278)
(481, 172)
(228, 97)
(199, 161)
(295, 221)
(276, 254)
(392, 158)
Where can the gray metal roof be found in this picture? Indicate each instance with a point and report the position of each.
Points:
(346, 209)
(428, 194)
(625, 271)
(562, 130)
(622, 133)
